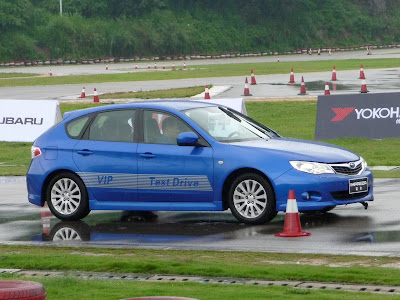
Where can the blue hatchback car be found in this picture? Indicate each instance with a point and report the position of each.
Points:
(186, 156)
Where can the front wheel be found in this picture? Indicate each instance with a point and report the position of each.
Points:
(67, 197)
(251, 199)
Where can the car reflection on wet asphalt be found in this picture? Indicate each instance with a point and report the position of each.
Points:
(347, 230)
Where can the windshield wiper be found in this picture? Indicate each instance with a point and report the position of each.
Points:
(232, 115)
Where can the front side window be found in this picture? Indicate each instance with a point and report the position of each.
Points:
(113, 126)
(227, 125)
(162, 128)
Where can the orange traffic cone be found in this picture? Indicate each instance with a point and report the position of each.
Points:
(334, 74)
(292, 226)
(45, 216)
(207, 93)
(303, 87)
(362, 75)
(327, 92)
(155, 66)
(51, 73)
(173, 66)
(363, 87)
(246, 89)
(95, 96)
(291, 80)
(253, 78)
(83, 94)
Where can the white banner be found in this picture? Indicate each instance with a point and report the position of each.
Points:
(25, 120)
(234, 103)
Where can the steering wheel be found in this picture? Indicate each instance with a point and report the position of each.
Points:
(233, 134)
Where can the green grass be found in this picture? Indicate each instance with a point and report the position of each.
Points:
(205, 71)
(291, 119)
(171, 93)
(267, 266)
(71, 289)
(12, 75)
(386, 174)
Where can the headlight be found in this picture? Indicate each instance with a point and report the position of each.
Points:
(363, 163)
(311, 167)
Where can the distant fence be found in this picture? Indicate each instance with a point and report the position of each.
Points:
(61, 61)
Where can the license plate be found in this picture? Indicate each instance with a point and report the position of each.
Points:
(358, 185)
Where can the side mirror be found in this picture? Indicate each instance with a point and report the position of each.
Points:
(187, 139)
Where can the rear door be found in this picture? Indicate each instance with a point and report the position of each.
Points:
(106, 156)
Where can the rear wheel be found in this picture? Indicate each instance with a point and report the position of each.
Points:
(67, 197)
(251, 199)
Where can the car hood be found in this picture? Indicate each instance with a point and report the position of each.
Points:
(296, 149)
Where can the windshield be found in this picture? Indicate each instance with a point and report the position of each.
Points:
(227, 125)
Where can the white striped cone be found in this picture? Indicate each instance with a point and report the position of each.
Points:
(155, 66)
(334, 74)
(363, 87)
(135, 67)
(253, 78)
(45, 216)
(163, 66)
(327, 92)
(207, 93)
(302, 87)
(184, 66)
(291, 80)
(95, 96)
(173, 66)
(50, 73)
(362, 75)
(246, 89)
(292, 226)
(83, 94)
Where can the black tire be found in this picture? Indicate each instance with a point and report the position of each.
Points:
(64, 205)
(247, 210)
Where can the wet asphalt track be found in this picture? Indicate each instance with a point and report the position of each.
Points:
(377, 80)
(345, 230)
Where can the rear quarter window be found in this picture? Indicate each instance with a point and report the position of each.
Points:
(75, 127)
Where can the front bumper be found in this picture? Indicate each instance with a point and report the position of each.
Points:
(316, 192)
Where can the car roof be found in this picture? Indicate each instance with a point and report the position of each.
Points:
(152, 104)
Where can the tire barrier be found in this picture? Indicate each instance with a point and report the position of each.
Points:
(26, 290)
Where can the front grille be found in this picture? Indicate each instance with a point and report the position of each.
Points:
(344, 169)
(344, 195)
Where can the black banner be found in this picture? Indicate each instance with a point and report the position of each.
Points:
(373, 116)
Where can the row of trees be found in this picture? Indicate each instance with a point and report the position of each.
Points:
(33, 29)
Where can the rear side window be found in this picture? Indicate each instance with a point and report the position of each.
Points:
(74, 128)
(113, 126)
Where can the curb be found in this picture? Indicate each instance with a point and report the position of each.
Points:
(379, 289)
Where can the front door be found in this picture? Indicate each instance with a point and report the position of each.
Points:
(177, 177)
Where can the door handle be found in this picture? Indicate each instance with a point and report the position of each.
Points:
(147, 155)
(84, 152)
